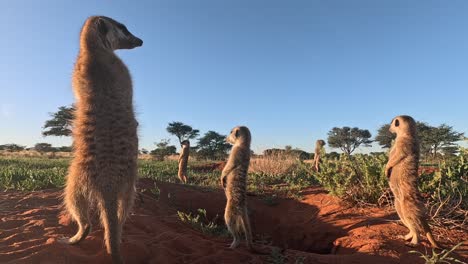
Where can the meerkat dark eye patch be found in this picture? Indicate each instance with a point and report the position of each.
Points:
(237, 133)
(397, 122)
(124, 29)
(102, 27)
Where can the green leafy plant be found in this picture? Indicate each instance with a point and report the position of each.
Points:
(200, 221)
(442, 257)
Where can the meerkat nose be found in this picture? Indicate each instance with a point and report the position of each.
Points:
(138, 42)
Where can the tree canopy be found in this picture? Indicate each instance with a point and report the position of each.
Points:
(60, 123)
(182, 131)
(44, 147)
(163, 149)
(12, 147)
(348, 139)
(213, 146)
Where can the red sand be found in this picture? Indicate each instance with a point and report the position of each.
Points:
(317, 230)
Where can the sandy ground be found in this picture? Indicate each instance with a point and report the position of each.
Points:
(316, 229)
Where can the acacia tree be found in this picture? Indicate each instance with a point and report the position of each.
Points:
(348, 139)
(384, 136)
(213, 146)
(12, 147)
(182, 131)
(43, 147)
(163, 149)
(442, 138)
(61, 122)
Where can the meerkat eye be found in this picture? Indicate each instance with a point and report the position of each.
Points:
(124, 29)
(237, 133)
(397, 122)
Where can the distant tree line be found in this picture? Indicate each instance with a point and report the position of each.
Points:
(434, 140)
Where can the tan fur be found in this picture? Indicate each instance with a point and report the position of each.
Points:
(402, 170)
(234, 182)
(104, 168)
(318, 153)
(183, 160)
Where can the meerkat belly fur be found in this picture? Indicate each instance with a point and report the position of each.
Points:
(234, 182)
(183, 160)
(402, 170)
(103, 171)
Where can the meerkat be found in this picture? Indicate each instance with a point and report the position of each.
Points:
(319, 144)
(103, 171)
(402, 171)
(183, 160)
(234, 182)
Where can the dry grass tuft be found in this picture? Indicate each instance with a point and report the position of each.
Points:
(275, 164)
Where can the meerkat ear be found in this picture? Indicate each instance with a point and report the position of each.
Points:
(397, 122)
(102, 27)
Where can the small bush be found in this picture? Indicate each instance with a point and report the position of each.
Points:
(442, 257)
(357, 179)
(199, 221)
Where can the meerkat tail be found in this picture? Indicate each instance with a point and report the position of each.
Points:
(432, 240)
(112, 229)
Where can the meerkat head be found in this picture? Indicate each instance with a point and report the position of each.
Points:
(403, 125)
(239, 135)
(110, 33)
(320, 142)
(185, 144)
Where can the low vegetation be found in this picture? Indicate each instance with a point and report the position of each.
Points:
(200, 221)
(358, 179)
(441, 257)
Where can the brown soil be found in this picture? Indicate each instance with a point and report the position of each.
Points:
(317, 229)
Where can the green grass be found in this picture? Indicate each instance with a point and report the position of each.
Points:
(27, 174)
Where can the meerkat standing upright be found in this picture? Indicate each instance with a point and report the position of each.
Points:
(402, 170)
(183, 160)
(234, 182)
(318, 153)
(104, 168)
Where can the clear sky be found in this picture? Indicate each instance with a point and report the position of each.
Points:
(289, 70)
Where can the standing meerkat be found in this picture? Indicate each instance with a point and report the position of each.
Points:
(183, 160)
(402, 170)
(319, 144)
(234, 182)
(103, 171)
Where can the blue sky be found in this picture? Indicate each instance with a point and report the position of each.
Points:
(289, 70)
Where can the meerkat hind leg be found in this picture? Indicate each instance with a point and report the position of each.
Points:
(78, 208)
(415, 239)
(233, 227)
(247, 229)
(405, 223)
(408, 236)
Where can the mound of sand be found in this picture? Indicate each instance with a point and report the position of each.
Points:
(316, 229)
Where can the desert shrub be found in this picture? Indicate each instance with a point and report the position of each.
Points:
(445, 188)
(442, 257)
(200, 221)
(357, 179)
